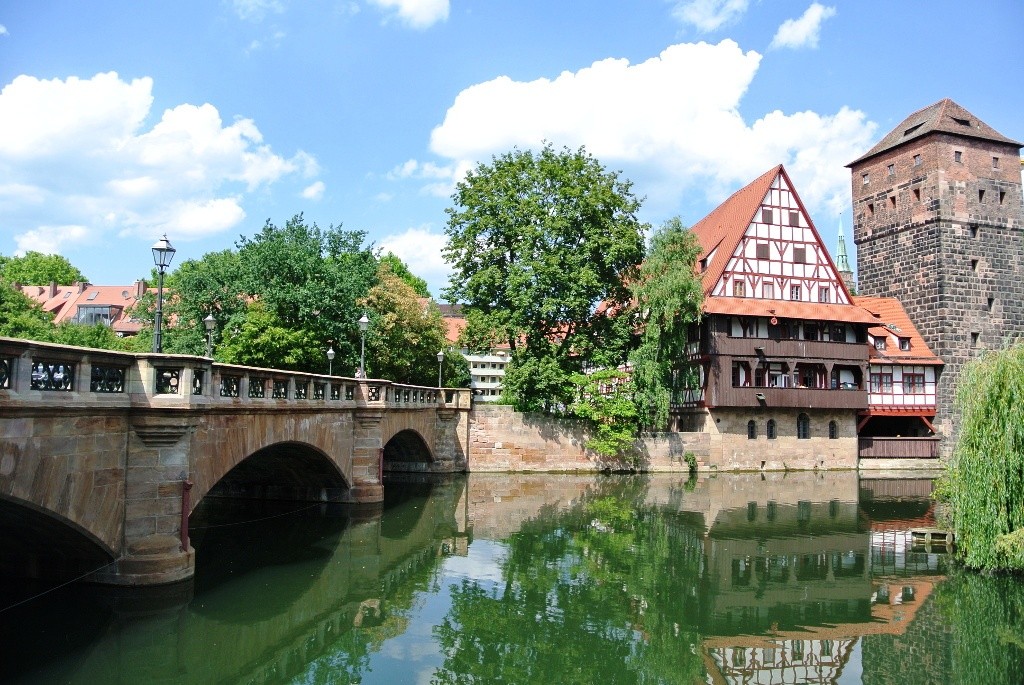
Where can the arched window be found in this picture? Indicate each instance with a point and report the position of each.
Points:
(751, 430)
(803, 427)
(833, 430)
(771, 429)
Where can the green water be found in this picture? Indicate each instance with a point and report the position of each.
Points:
(547, 579)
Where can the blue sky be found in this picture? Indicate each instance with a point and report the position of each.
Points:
(201, 119)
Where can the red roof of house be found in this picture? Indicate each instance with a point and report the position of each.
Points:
(894, 322)
(63, 301)
(787, 309)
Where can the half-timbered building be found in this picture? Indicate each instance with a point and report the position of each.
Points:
(903, 372)
(778, 362)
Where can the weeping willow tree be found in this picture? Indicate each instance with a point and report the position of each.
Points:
(985, 481)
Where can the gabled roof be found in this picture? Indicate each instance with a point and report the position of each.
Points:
(721, 230)
(945, 116)
(63, 301)
(893, 321)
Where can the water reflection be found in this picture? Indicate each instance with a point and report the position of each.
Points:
(800, 577)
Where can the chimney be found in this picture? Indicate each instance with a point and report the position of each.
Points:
(140, 288)
(52, 292)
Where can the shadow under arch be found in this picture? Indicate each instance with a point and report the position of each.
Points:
(293, 471)
(407, 451)
(37, 544)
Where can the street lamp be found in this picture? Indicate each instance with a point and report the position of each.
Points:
(440, 366)
(163, 253)
(210, 324)
(364, 323)
(330, 361)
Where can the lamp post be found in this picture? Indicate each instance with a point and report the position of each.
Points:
(210, 324)
(330, 361)
(440, 366)
(163, 253)
(364, 323)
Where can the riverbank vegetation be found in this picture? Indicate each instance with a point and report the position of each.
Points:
(984, 484)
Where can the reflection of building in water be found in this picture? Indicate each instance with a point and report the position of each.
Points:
(783, 661)
(892, 508)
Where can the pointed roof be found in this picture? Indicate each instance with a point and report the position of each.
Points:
(945, 116)
(721, 230)
(842, 261)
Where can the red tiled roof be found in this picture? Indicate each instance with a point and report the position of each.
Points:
(725, 225)
(63, 301)
(945, 116)
(895, 322)
(788, 309)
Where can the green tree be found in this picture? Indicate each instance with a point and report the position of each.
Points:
(22, 317)
(537, 242)
(401, 269)
(606, 399)
(36, 268)
(406, 332)
(196, 289)
(985, 479)
(261, 339)
(667, 297)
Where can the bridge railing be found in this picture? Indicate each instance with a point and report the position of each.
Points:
(37, 372)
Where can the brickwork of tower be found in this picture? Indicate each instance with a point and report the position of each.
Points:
(939, 224)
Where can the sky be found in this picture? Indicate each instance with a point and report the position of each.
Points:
(123, 121)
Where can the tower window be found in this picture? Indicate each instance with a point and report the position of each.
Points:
(981, 196)
(794, 293)
(995, 162)
(767, 216)
(751, 430)
(974, 265)
(892, 201)
(871, 209)
(771, 430)
(833, 430)
(865, 178)
(991, 301)
(1002, 196)
(917, 194)
(975, 336)
(974, 230)
(958, 156)
(917, 160)
(891, 169)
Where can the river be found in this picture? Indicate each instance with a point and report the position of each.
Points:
(494, 578)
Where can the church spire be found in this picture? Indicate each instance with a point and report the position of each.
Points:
(843, 262)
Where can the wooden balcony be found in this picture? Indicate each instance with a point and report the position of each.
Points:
(803, 350)
(898, 448)
(806, 398)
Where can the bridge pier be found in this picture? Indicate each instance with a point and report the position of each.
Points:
(157, 467)
(367, 457)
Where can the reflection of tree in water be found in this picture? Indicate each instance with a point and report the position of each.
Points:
(596, 594)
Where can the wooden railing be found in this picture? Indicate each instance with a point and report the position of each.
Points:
(898, 448)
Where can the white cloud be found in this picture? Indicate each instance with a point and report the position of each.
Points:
(51, 239)
(708, 15)
(256, 10)
(420, 248)
(805, 31)
(314, 191)
(673, 120)
(417, 14)
(3, 30)
(80, 145)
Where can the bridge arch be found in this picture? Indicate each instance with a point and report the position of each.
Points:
(42, 544)
(406, 447)
(289, 470)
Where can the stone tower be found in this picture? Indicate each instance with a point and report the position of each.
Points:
(939, 224)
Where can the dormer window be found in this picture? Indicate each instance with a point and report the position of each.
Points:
(704, 265)
(879, 343)
(905, 344)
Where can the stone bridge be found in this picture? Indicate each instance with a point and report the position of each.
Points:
(103, 455)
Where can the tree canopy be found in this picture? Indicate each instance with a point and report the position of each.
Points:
(541, 245)
(667, 296)
(36, 268)
(401, 269)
